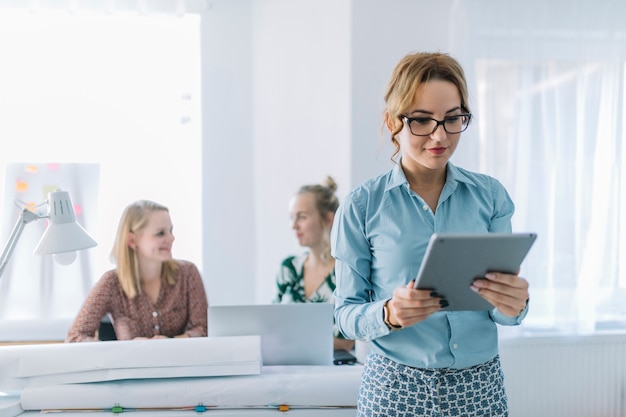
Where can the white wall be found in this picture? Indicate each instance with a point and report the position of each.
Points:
(227, 174)
(292, 92)
(382, 33)
(301, 113)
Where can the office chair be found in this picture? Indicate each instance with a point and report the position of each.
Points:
(106, 331)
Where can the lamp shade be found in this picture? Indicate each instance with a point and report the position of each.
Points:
(63, 233)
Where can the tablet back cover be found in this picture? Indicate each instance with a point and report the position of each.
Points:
(453, 261)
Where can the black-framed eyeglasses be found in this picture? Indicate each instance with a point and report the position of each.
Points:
(426, 126)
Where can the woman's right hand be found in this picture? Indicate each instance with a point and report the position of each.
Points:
(409, 305)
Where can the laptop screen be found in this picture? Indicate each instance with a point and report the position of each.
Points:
(291, 334)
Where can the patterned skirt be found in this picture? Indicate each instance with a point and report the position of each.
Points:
(390, 389)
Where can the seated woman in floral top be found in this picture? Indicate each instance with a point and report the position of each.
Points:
(310, 277)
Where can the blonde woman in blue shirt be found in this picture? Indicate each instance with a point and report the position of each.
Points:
(423, 361)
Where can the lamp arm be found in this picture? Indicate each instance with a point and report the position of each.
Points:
(26, 217)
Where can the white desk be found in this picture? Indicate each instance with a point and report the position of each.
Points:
(10, 404)
(213, 413)
(302, 390)
(323, 391)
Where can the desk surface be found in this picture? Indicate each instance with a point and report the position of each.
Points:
(60, 384)
(10, 404)
(28, 331)
(31, 342)
(302, 386)
(306, 390)
(214, 413)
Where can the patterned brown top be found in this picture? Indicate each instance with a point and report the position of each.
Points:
(180, 308)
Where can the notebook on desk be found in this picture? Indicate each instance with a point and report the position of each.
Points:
(291, 334)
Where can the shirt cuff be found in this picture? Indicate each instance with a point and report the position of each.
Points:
(509, 321)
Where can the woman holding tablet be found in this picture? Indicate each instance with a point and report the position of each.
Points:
(423, 361)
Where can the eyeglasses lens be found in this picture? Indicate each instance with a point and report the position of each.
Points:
(427, 126)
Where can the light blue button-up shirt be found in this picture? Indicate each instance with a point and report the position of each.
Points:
(379, 237)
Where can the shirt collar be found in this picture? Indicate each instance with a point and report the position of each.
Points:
(454, 175)
(397, 177)
(458, 175)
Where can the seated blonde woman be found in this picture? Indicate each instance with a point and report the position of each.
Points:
(149, 295)
(310, 276)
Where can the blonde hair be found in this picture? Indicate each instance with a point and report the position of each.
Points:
(409, 75)
(135, 218)
(326, 202)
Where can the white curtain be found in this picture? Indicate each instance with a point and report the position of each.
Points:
(548, 93)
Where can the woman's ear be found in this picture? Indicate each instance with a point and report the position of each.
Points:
(329, 219)
(130, 240)
(390, 122)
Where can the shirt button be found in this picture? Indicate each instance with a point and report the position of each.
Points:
(154, 314)
(425, 207)
(455, 346)
(156, 327)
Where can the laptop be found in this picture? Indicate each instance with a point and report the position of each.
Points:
(291, 334)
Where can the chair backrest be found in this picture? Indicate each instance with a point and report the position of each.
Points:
(106, 330)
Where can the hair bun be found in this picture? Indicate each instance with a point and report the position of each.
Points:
(330, 183)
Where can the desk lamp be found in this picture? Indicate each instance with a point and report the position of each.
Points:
(62, 237)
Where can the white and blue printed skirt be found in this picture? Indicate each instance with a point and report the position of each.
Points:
(389, 389)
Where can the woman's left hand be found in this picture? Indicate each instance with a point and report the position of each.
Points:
(507, 292)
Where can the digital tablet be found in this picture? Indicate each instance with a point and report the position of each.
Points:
(453, 261)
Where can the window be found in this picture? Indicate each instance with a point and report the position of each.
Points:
(116, 89)
(558, 123)
(548, 103)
